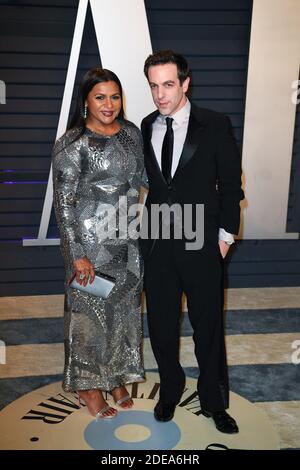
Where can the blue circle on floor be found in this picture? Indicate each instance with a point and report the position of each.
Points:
(100, 434)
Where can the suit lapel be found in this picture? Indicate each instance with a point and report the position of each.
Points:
(192, 141)
(148, 144)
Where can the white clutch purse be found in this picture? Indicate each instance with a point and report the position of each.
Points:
(100, 287)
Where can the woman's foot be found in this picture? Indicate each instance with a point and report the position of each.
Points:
(122, 397)
(96, 404)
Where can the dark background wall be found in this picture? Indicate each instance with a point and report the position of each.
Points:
(35, 43)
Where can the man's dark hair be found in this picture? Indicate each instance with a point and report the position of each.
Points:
(168, 57)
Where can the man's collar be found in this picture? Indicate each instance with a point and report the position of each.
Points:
(180, 116)
(196, 112)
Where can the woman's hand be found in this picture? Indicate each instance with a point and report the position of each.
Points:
(84, 271)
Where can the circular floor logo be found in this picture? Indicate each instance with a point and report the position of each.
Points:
(49, 418)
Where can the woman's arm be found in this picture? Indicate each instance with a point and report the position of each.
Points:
(66, 167)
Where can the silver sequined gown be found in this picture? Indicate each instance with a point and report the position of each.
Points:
(102, 337)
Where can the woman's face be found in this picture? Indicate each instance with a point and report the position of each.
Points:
(104, 103)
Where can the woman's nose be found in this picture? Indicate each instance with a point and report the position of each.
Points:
(108, 103)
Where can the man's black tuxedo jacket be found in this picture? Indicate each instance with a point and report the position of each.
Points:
(209, 173)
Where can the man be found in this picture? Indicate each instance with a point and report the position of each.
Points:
(191, 158)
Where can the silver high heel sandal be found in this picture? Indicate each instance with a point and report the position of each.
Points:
(100, 413)
(122, 400)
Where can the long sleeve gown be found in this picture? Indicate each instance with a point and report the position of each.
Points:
(91, 176)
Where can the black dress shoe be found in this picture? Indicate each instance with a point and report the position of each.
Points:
(164, 411)
(223, 421)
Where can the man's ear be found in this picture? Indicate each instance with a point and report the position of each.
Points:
(186, 84)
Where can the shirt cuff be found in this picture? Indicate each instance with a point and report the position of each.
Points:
(225, 236)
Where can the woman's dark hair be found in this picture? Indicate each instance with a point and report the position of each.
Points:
(168, 57)
(90, 79)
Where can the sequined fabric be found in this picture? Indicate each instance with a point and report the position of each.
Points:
(102, 337)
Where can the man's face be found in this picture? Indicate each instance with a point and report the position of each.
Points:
(167, 93)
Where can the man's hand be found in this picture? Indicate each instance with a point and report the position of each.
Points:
(224, 248)
(84, 271)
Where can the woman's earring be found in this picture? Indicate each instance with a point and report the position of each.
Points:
(85, 111)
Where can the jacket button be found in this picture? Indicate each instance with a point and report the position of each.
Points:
(170, 186)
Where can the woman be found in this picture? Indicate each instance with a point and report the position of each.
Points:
(97, 161)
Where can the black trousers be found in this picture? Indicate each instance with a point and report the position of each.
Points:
(170, 271)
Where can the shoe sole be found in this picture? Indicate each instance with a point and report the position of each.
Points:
(164, 420)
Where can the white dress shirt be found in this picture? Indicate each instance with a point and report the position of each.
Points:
(180, 126)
